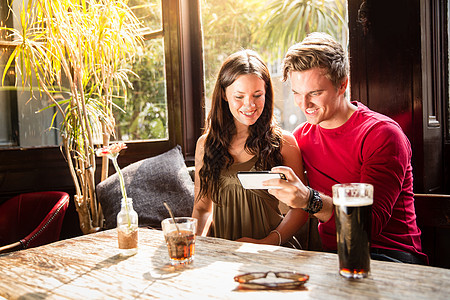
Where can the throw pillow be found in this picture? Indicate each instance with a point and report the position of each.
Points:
(150, 182)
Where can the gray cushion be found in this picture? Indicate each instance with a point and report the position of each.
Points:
(150, 182)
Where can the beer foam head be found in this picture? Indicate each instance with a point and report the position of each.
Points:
(353, 202)
(353, 194)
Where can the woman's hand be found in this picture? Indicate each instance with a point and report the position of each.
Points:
(268, 240)
(249, 240)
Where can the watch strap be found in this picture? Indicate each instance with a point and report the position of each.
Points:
(315, 203)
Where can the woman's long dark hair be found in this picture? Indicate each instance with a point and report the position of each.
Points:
(264, 138)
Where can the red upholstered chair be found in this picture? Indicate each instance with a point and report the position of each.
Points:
(31, 219)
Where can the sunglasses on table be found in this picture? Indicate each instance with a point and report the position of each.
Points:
(282, 280)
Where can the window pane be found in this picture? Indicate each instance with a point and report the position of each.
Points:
(5, 104)
(144, 115)
(24, 121)
(8, 107)
(145, 111)
(149, 12)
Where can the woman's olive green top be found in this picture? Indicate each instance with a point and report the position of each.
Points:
(240, 212)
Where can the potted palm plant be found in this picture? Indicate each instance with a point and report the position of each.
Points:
(78, 54)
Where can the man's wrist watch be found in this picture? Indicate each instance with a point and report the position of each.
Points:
(315, 203)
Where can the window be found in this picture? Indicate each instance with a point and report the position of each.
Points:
(145, 110)
(20, 125)
(152, 110)
(268, 27)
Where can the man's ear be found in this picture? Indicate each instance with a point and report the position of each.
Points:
(343, 86)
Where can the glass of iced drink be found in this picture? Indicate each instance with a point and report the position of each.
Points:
(180, 239)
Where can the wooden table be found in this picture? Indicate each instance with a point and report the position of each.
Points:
(89, 267)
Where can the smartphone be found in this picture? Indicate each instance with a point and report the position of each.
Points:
(254, 179)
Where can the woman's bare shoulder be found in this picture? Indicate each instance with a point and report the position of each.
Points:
(200, 147)
(288, 138)
(201, 141)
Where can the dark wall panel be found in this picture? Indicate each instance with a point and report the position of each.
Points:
(387, 70)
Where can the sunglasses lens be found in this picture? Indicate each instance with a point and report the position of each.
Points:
(292, 276)
(245, 278)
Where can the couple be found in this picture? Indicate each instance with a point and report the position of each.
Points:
(341, 142)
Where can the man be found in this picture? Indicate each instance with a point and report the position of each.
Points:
(344, 142)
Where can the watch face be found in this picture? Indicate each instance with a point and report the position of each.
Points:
(316, 205)
(316, 202)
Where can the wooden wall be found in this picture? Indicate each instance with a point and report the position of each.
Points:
(391, 72)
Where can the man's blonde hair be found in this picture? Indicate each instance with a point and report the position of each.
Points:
(317, 50)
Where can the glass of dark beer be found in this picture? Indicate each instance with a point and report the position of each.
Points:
(353, 216)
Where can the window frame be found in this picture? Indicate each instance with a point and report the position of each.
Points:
(436, 102)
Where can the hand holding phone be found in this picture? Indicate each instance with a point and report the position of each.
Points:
(254, 179)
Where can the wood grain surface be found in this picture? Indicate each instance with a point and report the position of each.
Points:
(90, 267)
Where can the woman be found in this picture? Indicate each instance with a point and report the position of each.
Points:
(242, 135)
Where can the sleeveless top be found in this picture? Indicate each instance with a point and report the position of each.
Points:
(240, 212)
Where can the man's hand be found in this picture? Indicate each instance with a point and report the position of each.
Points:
(296, 195)
(292, 190)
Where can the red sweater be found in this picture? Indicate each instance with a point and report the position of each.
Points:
(369, 148)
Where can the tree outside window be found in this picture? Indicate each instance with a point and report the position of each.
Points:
(270, 28)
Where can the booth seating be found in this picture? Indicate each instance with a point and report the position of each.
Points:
(433, 219)
(31, 219)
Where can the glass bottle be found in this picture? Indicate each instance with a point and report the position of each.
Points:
(127, 228)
